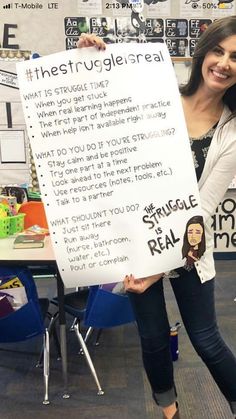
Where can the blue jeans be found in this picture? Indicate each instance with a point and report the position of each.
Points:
(196, 304)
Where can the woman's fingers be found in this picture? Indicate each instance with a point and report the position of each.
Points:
(141, 284)
(127, 281)
(91, 40)
(133, 285)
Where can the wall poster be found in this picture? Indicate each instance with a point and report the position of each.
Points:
(116, 199)
(14, 148)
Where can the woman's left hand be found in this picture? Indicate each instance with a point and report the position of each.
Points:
(91, 40)
(140, 285)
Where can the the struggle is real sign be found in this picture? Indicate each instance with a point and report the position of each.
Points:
(113, 159)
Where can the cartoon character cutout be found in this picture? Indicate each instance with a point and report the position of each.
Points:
(137, 19)
(194, 244)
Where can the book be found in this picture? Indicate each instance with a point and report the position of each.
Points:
(10, 281)
(5, 306)
(17, 297)
(28, 241)
(35, 229)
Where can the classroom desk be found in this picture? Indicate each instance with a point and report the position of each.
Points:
(43, 257)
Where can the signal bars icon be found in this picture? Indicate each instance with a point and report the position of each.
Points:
(7, 6)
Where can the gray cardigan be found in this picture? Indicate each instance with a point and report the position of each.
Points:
(219, 170)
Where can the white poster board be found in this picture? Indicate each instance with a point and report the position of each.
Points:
(113, 159)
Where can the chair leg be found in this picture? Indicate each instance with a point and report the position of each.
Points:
(96, 342)
(46, 365)
(72, 328)
(88, 334)
(88, 358)
(52, 331)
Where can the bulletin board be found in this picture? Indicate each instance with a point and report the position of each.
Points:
(179, 23)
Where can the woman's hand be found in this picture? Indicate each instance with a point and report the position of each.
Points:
(140, 285)
(91, 40)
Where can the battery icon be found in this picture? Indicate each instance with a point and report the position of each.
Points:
(225, 6)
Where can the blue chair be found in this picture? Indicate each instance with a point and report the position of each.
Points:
(27, 321)
(106, 308)
(97, 307)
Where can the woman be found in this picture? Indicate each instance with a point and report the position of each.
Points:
(210, 109)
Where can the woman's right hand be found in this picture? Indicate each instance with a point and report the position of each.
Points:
(140, 285)
(91, 40)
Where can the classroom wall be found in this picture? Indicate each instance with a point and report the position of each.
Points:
(52, 26)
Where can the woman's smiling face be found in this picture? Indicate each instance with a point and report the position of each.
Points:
(219, 66)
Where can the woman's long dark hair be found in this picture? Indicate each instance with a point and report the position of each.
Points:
(213, 35)
(197, 219)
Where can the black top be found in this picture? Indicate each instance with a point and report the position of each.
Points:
(200, 147)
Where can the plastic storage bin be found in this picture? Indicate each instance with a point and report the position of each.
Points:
(11, 225)
(4, 227)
